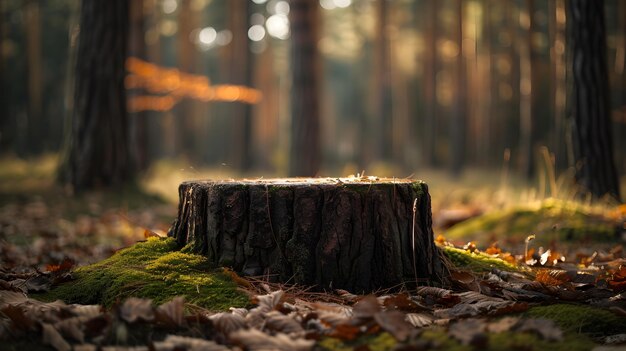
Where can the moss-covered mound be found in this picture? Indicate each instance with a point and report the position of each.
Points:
(436, 338)
(550, 220)
(476, 261)
(592, 321)
(153, 269)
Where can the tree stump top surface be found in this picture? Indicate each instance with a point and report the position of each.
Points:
(369, 180)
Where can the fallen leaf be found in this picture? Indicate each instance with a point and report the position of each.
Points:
(502, 325)
(228, 322)
(72, 328)
(419, 320)
(394, 323)
(134, 309)
(19, 318)
(366, 308)
(172, 312)
(278, 322)
(175, 342)
(269, 301)
(53, 338)
(255, 340)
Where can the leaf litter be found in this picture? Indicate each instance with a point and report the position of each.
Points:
(468, 307)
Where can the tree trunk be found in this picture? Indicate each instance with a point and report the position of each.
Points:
(34, 142)
(349, 233)
(590, 107)
(429, 134)
(6, 122)
(137, 48)
(305, 150)
(458, 122)
(98, 152)
(241, 74)
(383, 97)
(528, 95)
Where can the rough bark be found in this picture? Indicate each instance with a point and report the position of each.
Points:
(97, 151)
(351, 234)
(590, 107)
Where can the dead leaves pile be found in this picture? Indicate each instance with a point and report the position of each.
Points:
(273, 324)
(36, 233)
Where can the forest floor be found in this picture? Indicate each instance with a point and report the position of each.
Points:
(527, 271)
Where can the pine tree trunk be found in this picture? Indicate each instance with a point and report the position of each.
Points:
(590, 107)
(98, 151)
(240, 74)
(352, 234)
(305, 150)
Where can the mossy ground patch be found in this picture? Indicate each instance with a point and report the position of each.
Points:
(589, 320)
(550, 220)
(154, 270)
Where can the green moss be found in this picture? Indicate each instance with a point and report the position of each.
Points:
(526, 341)
(379, 342)
(154, 270)
(551, 220)
(476, 261)
(441, 340)
(510, 341)
(592, 321)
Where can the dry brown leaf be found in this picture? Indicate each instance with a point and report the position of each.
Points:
(19, 318)
(255, 340)
(228, 322)
(135, 309)
(278, 322)
(12, 298)
(552, 277)
(72, 328)
(401, 302)
(366, 308)
(394, 323)
(346, 295)
(269, 301)
(502, 325)
(419, 320)
(172, 312)
(175, 342)
(53, 338)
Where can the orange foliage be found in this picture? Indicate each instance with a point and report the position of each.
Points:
(177, 85)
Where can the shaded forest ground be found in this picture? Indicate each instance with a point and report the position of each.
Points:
(40, 226)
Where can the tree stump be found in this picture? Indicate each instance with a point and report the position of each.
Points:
(358, 234)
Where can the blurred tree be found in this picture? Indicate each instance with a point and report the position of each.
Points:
(5, 121)
(186, 143)
(97, 151)
(430, 85)
(240, 74)
(35, 124)
(137, 48)
(590, 107)
(528, 88)
(305, 150)
(458, 121)
(383, 94)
